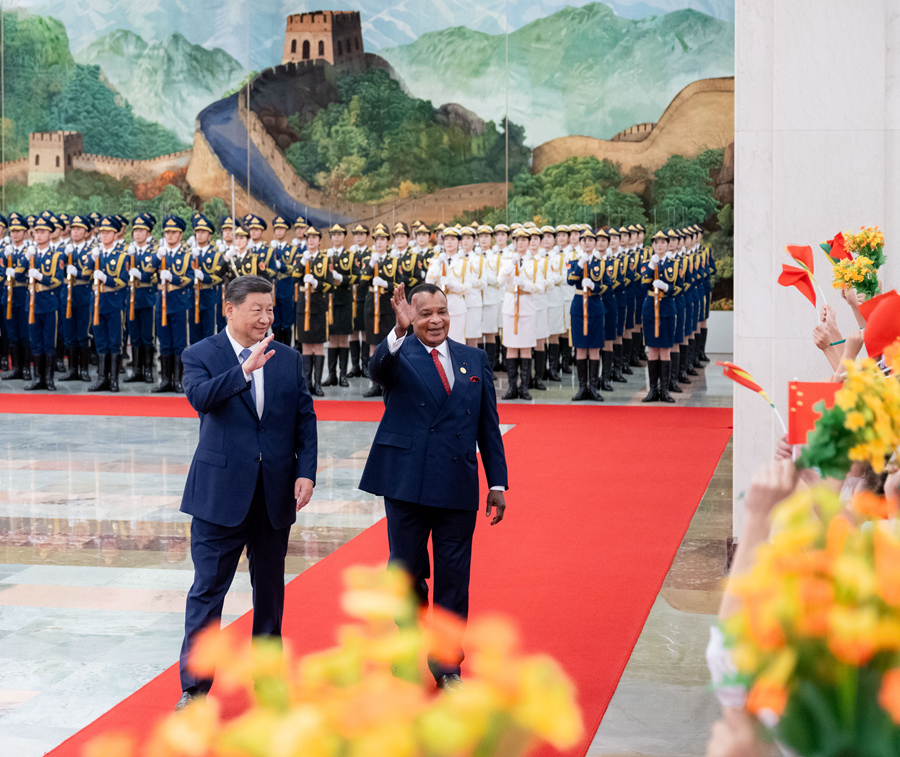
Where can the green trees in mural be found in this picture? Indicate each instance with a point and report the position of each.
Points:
(45, 90)
(683, 191)
(377, 142)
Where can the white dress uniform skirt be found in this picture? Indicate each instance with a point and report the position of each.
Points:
(473, 322)
(542, 317)
(523, 337)
(556, 316)
(490, 319)
(456, 306)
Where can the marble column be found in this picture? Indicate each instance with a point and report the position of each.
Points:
(817, 108)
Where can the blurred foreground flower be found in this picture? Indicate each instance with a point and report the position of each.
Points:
(366, 697)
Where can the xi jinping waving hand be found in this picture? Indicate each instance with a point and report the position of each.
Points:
(254, 468)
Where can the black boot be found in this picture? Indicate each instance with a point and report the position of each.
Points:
(15, 364)
(72, 373)
(355, 370)
(553, 369)
(4, 353)
(84, 363)
(617, 365)
(114, 373)
(501, 360)
(95, 359)
(26, 362)
(104, 366)
(343, 356)
(626, 357)
(606, 374)
(565, 355)
(374, 390)
(332, 379)
(365, 363)
(682, 365)
(653, 368)
(703, 334)
(635, 361)
(524, 370)
(137, 366)
(60, 355)
(674, 358)
(148, 364)
(581, 368)
(51, 368)
(317, 375)
(512, 374)
(664, 380)
(40, 372)
(689, 363)
(593, 379)
(307, 361)
(491, 349)
(537, 382)
(166, 375)
(178, 367)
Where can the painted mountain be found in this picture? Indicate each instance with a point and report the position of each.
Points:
(169, 81)
(578, 71)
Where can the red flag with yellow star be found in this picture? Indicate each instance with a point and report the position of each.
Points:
(802, 396)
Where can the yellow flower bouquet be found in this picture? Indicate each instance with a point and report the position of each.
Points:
(863, 425)
(861, 272)
(366, 696)
(868, 242)
(817, 639)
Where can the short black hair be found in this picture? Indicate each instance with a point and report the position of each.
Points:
(425, 288)
(238, 289)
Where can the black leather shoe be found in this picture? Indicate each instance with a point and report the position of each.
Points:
(186, 698)
(451, 682)
(373, 391)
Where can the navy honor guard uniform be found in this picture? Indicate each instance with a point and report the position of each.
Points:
(424, 461)
(143, 282)
(77, 319)
(17, 263)
(658, 279)
(173, 300)
(107, 303)
(46, 272)
(208, 263)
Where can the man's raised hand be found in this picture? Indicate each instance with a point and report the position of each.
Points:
(402, 309)
(259, 357)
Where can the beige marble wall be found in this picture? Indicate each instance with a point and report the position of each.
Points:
(817, 109)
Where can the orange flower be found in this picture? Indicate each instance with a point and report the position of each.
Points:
(838, 530)
(851, 634)
(762, 621)
(872, 506)
(889, 695)
(816, 600)
(887, 567)
(767, 695)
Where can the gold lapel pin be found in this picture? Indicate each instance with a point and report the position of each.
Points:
(462, 370)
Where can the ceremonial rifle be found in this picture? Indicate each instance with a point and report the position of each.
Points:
(69, 283)
(657, 295)
(10, 284)
(31, 290)
(132, 286)
(306, 313)
(164, 317)
(197, 286)
(377, 299)
(585, 295)
(97, 290)
(516, 314)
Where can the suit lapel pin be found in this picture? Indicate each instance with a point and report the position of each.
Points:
(462, 370)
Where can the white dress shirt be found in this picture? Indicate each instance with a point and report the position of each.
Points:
(394, 344)
(256, 376)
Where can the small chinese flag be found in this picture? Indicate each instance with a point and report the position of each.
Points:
(797, 277)
(835, 250)
(742, 377)
(802, 396)
(803, 256)
(882, 314)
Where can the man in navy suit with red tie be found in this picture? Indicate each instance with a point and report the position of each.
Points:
(254, 467)
(439, 403)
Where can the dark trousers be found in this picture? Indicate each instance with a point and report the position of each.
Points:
(43, 333)
(140, 330)
(108, 333)
(409, 526)
(172, 337)
(215, 551)
(75, 329)
(207, 325)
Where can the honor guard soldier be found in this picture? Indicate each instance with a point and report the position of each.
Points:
(359, 351)
(521, 278)
(540, 242)
(316, 282)
(658, 278)
(616, 269)
(413, 259)
(709, 264)
(588, 277)
(58, 241)
(225, 245)
(475, 279)
(209, 266)
(677, 375)
(143, 282)
(423, 246)
(557, 317)
(342, 266)
(173, 301)
(4, 337)
(18, 254)
(377, 275)
(285, 304)
(300, 227)
(45, 273)
(76, 299)
(490, 293)
(259, 256)
(448, 271)
(107, 301)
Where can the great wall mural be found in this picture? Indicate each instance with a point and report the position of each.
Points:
(617, 111)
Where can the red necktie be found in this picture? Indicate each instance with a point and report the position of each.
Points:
(440, 370)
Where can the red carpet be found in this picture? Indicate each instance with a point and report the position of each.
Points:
(595, 516)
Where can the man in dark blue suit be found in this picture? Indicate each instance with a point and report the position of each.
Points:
(254, 468)
(439, 403)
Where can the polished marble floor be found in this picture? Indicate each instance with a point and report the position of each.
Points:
(94, 569)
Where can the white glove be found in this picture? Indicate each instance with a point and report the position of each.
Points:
(95, 253)
(198, 275)
(35, 274)
(654, 261)
(338, 278)
(191, 241)
(229, 256)
(443, 257)
(516, 258)
(380, 282)
(71, 270)
(195, 252)
(11, 272)
(166, 276)
(311, 280)
(29, 253)
(456, 287)
(100, 276)
(583, 259)
(134, 273)
(330, 252)
(492, 280)
(160, 254)
(587, 284)
(519, 281)
(661, 285)
(220, 245)
(395, 254)
(306, 258)
(476, 284)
